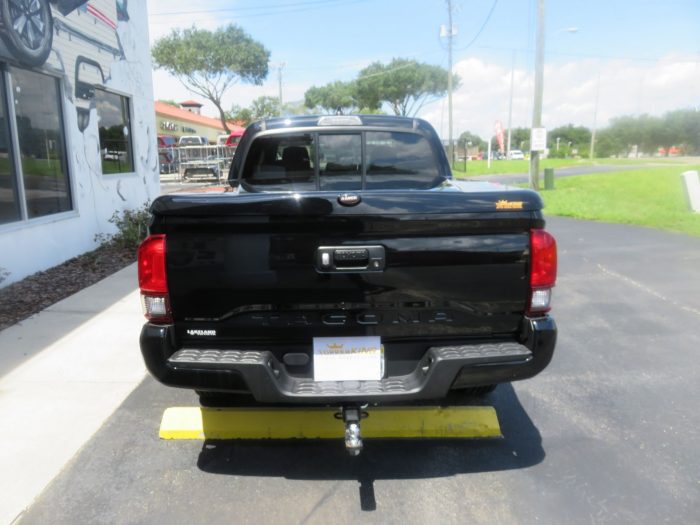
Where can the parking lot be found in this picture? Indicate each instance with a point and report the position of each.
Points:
(607, 434)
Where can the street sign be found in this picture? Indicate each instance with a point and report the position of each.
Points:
(538, 139)
(692, 186)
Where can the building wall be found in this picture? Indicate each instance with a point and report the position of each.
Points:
(176, 127)
(114, 35)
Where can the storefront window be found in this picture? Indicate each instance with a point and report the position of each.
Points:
(9, 199)
(41, 142)
(115, 132)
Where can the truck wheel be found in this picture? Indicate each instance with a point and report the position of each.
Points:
(28, 30)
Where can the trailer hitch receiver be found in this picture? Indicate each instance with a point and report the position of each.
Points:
(353, 438)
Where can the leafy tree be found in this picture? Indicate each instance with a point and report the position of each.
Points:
(405, 84)
(169, 102)
(687, 124)
(570, 137)
(476, 141)
(336, 97)
(265, 107)
(261, 108)
(609, 144)
(649, 133)
(520, 139)
(623, 133)
(295, 108)
(208, 63)
(238, 114)
(371, 111)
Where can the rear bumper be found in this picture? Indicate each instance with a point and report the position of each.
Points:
(262, 375)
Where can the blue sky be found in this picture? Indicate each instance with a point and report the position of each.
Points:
(325, 40)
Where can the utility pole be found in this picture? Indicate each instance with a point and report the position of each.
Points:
(539, 86)
(450, 34)
(595, 119)
(510, 105)
(280, 66)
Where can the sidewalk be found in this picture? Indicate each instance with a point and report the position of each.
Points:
(62, 374)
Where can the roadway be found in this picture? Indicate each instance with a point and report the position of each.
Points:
(607, 434)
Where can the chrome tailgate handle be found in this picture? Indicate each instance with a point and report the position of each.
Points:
(350, 259)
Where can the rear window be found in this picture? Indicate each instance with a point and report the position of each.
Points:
(281, 162)
(191, 141)
(399, 159)
(341, 161)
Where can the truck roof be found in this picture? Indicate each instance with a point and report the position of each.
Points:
(305, 121)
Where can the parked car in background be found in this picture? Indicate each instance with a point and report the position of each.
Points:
(193, 140)
(234, 138)
(167, 141)
(673, 151)
(516, 154)
(221, 140)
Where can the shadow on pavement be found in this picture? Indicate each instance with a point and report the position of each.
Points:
(521, 446)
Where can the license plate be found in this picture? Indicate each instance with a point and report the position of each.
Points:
(348, 359)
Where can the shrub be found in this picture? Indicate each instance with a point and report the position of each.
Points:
(132, 228)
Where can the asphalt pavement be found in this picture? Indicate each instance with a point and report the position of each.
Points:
(176, 187)
(62, 374)
(608, 433)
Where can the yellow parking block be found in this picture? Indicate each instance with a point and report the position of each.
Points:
(319, 423)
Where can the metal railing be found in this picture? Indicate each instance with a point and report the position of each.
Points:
(190, 163)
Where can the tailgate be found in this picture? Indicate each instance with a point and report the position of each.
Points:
(250, 268)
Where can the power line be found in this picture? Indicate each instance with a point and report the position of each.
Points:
(481, 29)
(263, 11)
(606, 57)
(249, 8)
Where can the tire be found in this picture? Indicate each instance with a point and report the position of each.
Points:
(27, 29)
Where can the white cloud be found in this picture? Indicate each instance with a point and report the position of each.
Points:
(626, 87)
(161, 22)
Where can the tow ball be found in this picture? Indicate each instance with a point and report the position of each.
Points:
(351, 416)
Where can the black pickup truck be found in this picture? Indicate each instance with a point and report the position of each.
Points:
(344, 266)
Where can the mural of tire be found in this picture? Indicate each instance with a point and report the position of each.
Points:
(27, 29)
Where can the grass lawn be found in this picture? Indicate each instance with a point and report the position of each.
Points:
(502, 167)
(479, 167)
(652, 197)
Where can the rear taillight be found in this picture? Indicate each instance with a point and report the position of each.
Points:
(153, 281)
(543, 270)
